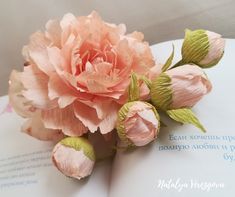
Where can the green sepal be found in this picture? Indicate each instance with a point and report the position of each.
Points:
(160, 92)
(185, 115)
(195, 46)
(80, 143)
(134, 89)
(169, 60)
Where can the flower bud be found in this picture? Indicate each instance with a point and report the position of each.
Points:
(74, 157)
(138, 123)
(201, 47)
(179, 87)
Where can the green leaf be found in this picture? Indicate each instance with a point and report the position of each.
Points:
(185, 115)
(169, 60)
(133, 91)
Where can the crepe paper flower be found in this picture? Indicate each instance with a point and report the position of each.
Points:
(201, 47)
(138, 123)
(78, 71)
(88, 85)
(74, 157)
(179, 87)
(33, 125)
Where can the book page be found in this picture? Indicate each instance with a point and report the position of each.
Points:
(184, 161)
(26, 168)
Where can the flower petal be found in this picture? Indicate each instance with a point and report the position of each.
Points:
(58, 89)
(36, 51)
(35, 128)
(109, 122)
(65, 120)
(21, 105)
(87, 115)
(54, 32)
(35, 82)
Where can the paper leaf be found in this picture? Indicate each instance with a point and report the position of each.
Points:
(185, 115)
(134, 92)
(169, 60)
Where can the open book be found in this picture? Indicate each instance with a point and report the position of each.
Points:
(183, 161)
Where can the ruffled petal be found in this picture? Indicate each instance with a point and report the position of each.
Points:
(65, 120)
(21, 105)
(37, 53)
(35, 82)
(109, 122)
(35, 128)
(87, 115)
(58, 89)
(53, 32)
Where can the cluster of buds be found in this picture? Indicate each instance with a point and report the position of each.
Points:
(174, 89)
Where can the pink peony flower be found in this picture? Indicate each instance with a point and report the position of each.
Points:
(77, 72)
(74, 157)
(138, 123)
(180, 87)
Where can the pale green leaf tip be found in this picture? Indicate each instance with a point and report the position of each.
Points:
(169, 60)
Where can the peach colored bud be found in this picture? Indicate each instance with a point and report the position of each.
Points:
(74, 157)
(216, 49)
(138, 123)
(180, 87)
(202, 47)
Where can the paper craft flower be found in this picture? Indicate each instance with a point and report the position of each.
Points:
(84, 75)
(180, 87)
(204, 48)
(74, 157)
(80, 67)
(138, 123)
